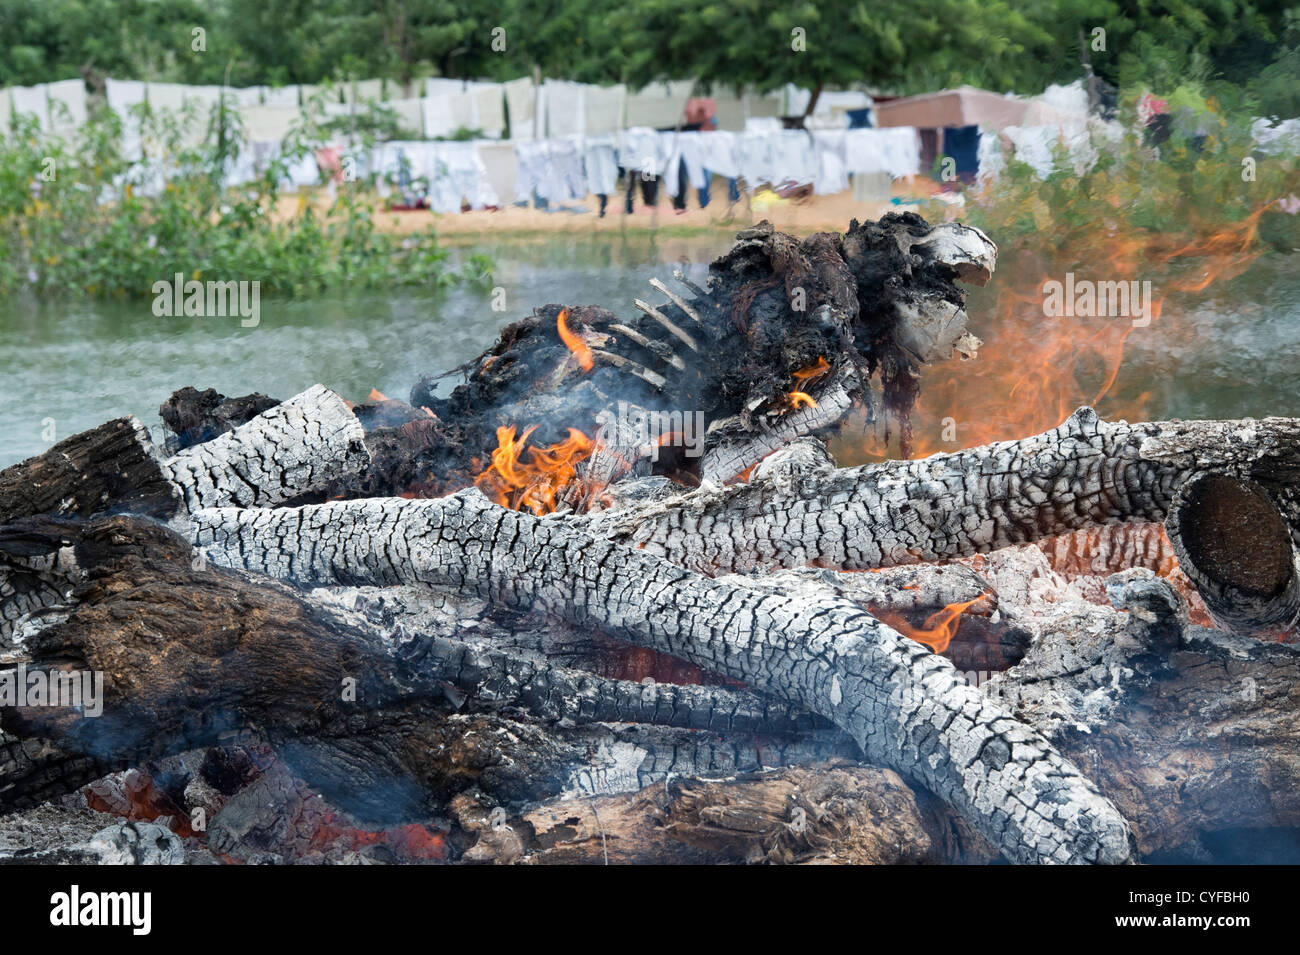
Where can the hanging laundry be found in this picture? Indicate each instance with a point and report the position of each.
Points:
(1034, 146)
(567, 107)
(731, 111)
(410, 114)
(281, 96)
(457, 175)
(894, 150)
(489, 109)
(67, 101)
(533, 171)
(502, 167)
(794, 158)
(600, 161)
(32, 102)
(474, 105)
(860, 118)
(832, 173)
(121, 96)
(522, 104)
(717, 153)
(447, 113)
(567, 169)
(961, 144)
(640, 149)
(244, 96)
(753, 151)
(687, 152)
(990, 157)
(604, 108)
(659, 105)
(551, 170)
(360, 91)
(268, 123)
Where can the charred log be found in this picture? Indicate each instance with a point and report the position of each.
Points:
(903, 705)
(1085, 473)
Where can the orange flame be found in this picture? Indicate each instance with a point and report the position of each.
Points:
(534, 483)
(939, 629)
(573, 342)
(800, 399)
(813, 371)
(1033, 370)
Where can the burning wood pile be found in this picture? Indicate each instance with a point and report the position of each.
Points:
(610, 600)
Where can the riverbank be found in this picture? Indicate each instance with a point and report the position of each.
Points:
(800, 216)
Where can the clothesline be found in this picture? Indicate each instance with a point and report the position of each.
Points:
(435, 107)
(486, 173)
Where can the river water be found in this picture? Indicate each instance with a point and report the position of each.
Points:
(68, 366)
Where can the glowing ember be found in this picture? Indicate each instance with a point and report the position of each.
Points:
(573, 342)
(939, 629)
(409, 843)
(527, 477)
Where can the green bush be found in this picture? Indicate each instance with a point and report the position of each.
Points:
(77, 218)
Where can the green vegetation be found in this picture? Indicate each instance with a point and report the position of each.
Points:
(83, 220)
(1199, 207)
(1247, 50)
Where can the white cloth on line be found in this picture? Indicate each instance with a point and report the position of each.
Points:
(753, 151)
(410, 114)
(794, 158)
(464, 103)
(246, 95)
(523, 103)
(566, 108)
(683, 149)
(359, 91)
(502, 166)
(989, 155)
(550, 169)
(454, 171)
(895, 150)
(67, 103)
(718, 153)
(32, 101)
(659, 105)
(489, 109)
(832, 176)
(604, 109)
(121, 96)
(601, 164)
(640, 149)
(280, 96)
(268, 123)
(1035, 146)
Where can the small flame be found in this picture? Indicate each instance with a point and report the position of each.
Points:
(939, 628)
(574, 343)
(376, 395)
(813, 371)
(800, 399)
(534, 483)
